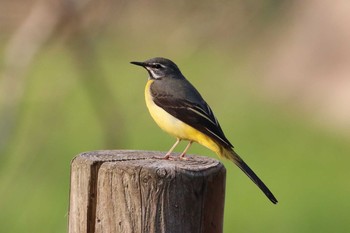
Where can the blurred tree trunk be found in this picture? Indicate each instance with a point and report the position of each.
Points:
(308, 63)
(48, 20)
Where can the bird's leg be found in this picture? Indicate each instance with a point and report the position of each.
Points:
(182, 156)
(167, 155)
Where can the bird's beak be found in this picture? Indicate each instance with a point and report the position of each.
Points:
(138, 63)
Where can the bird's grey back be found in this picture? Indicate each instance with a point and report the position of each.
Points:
(179, 88)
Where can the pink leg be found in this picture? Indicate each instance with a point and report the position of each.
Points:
(182, 156)
(167, 156)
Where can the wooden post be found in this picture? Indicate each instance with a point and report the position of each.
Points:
(133, 191)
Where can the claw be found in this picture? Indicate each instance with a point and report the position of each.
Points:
(182, 157)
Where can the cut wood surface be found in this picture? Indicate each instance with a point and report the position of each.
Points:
(136, 191)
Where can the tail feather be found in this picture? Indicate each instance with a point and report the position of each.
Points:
(234, 157)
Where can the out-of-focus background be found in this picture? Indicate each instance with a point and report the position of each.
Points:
(276, 73)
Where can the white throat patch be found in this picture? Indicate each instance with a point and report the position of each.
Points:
(153, 74)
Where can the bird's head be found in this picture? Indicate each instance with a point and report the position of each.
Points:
(159, 68)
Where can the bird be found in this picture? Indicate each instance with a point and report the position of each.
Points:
(179, 109)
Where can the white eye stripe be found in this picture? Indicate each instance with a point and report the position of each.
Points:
(154, 65)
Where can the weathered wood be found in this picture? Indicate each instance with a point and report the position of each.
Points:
(134, 191)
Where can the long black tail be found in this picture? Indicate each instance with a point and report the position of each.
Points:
(234, 157)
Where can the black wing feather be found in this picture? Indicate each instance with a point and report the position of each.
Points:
(199, 116)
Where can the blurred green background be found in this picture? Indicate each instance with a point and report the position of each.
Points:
(274, 72)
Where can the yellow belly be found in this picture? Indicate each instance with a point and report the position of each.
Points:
(175, 127)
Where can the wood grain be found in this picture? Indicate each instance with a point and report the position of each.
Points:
(135, 191)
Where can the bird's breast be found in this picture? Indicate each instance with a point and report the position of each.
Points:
(165, 121)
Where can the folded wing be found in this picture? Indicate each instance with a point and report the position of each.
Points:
(197, 115)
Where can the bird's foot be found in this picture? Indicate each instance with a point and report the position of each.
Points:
(182, 157)
(168, 157)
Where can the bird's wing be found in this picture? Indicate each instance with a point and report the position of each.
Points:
(199, 116)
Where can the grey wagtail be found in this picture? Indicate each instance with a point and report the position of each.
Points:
(179, 109)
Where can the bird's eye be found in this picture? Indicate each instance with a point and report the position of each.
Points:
(157, 66)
